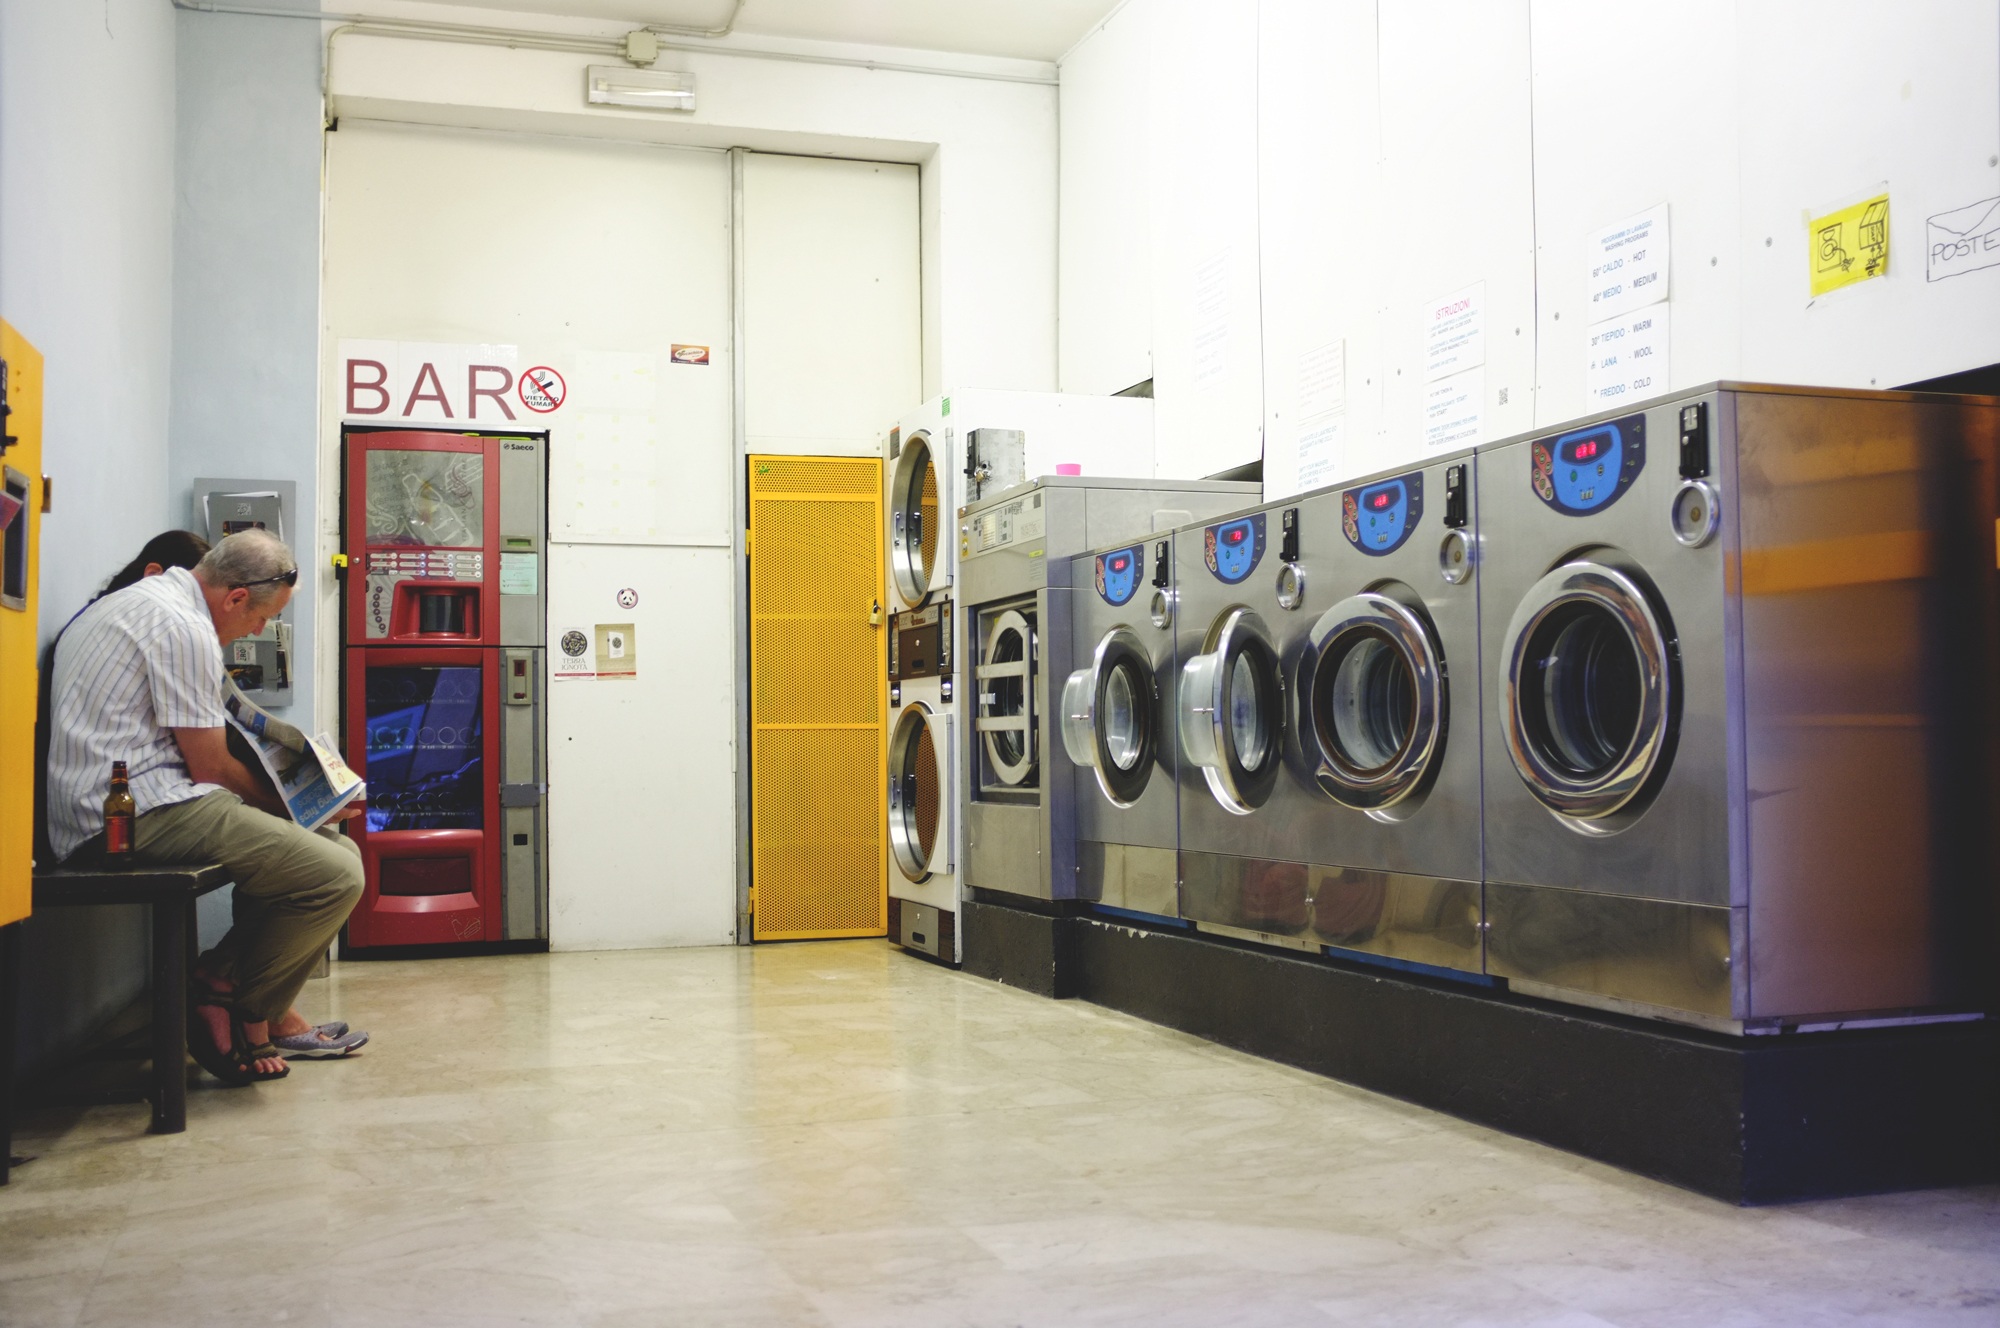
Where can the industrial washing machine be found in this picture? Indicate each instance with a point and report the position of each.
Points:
(1738, 752)
(1016, 555)
(1328, 706)
(1117, 723)
(923, 880)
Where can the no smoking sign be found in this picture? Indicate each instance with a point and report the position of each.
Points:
(542, 389)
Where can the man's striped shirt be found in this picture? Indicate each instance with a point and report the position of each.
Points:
(130, 668)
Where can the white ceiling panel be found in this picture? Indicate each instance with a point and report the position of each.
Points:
(1025, 29)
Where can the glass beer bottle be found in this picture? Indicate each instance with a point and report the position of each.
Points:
(119, 813)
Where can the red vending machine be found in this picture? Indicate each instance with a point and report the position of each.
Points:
(444, 535)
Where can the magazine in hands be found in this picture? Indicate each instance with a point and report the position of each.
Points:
(314, 784)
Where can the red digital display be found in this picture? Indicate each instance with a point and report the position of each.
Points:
(1234, 536)
(1119, 564)
(1585, 449)
(1380, 500)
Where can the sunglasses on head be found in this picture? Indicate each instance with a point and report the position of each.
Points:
(290, 578)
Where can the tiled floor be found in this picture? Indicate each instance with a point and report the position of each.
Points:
(839, 1134)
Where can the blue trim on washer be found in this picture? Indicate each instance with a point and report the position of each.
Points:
(1411, 966)
(1136, 916)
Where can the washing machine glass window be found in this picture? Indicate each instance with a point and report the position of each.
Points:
(1373, 701)
(1109, 717)
(916, 793)
(1006, 699)
(1371, 704)
(1124, 729)
(1589, 689)
(915, 521)
(1232, 711)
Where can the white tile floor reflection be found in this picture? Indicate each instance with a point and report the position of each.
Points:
(839, 1134)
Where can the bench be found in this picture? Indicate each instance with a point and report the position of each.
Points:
(171, 892)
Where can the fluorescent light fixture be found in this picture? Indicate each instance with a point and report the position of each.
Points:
(653, 89)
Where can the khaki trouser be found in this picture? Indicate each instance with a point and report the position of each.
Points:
(294, 889)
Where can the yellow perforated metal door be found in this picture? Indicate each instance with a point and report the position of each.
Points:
(817, 664)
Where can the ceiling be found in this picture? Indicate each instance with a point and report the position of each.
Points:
(1026, 29)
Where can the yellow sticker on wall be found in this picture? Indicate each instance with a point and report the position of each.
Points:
(1850, 245)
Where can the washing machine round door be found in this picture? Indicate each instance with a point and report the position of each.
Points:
(1110, 716)
(1587, 692)
(1006, 715)
(915, 529)
(919, 803)
(1232, 711)
(1372, 700)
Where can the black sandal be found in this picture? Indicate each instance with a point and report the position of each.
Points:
(238, 1065)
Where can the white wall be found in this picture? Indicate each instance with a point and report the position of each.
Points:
(832, 317)
(86, 264)
(987, 150)
(1160, 258)
(1106, 309)
(1447, 142)
(245, 382)
(575, 252)
(86, 270)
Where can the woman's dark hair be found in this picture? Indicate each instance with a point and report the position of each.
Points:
(171, 548)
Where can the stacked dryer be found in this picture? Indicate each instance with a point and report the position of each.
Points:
(1328, 714)
(1738, 769)
(954, 449)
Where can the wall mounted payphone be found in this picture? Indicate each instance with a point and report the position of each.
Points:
(261, 664)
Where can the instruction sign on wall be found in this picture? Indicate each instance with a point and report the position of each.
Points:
(1849, 245)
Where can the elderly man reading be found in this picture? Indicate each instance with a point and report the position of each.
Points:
(139, 678)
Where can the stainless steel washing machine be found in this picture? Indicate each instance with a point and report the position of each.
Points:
(1737, 753)
(1017, 619)
(1329, 717)
(922, 774)
(1117, 723)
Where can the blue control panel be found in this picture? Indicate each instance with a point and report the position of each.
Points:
(1586, 470)
(1378, 518)
(1118, 574)
(1234, 548)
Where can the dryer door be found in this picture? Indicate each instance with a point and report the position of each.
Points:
(1588, 697)
(919, 792)
(916, 527)
(1232, 711)
(1372, 700)
(1111, 716)
(1005, 676)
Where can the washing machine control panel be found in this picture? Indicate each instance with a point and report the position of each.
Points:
(1233, 549)
(920, 643)
(1586, 470)
(1378, 518)
(1119, 575)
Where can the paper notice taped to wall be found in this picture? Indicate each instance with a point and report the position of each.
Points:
(1323, 380)
(1849, 245)
(1322, 452)
(1628, 264)
(1628, 357)
(1455, 333)
(1211, 318)
(1453, 411)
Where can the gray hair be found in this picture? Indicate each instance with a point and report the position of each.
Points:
(253, 558)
